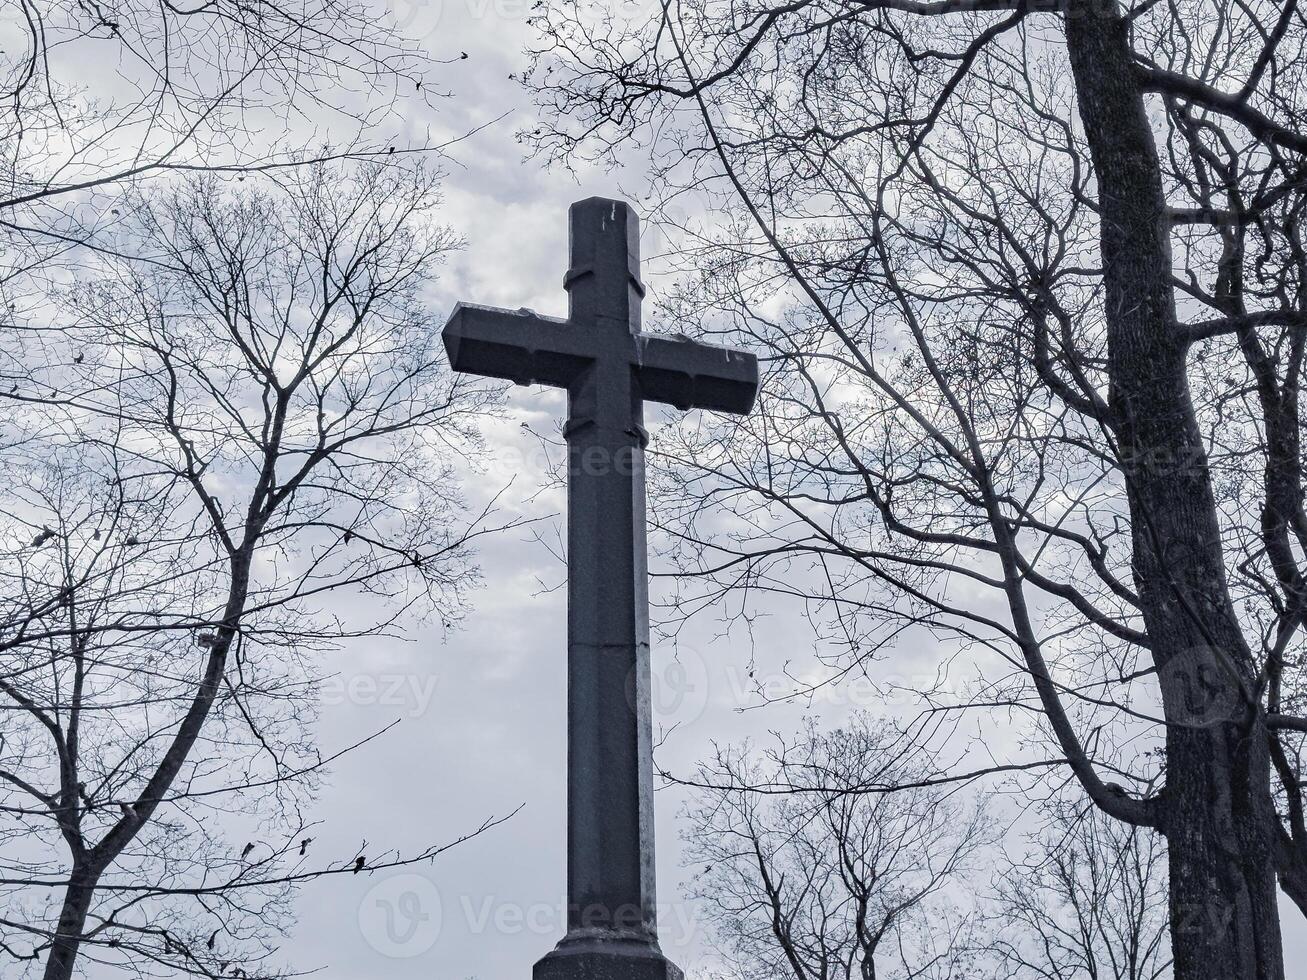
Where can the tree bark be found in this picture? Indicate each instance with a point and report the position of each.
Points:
(72, 923)
(1216, 807)
(86, 872)
(1293, 871)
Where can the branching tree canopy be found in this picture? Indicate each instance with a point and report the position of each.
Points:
(814, 877)
(97, 97)
(244, 417)
(1029, 281)
(221, 408)
(1088, 900)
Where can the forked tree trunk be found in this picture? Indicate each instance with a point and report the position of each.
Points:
(1216, 808)
(86, 871)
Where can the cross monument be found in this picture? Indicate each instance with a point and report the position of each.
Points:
(610, 369)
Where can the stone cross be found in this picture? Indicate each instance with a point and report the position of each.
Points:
(609, 369)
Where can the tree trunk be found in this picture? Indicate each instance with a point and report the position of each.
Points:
(72, 924)
(1293, 871)
(1216, 807)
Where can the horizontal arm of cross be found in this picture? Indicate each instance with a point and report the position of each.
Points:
(687, 374)
(524, 347)
(532, 349)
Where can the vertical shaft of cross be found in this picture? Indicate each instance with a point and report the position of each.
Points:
(609, 369)
(610, 782)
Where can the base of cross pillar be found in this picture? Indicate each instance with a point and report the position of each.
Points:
(606, 959)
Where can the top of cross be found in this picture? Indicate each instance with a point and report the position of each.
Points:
(602, 329)
(603, 283)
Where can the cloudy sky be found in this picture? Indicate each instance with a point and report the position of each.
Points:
(482, 709)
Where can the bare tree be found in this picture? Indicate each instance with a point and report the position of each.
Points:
(1087, 903)
(825, 857)
(1029, 279)
(246, 421)
(99, 98)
